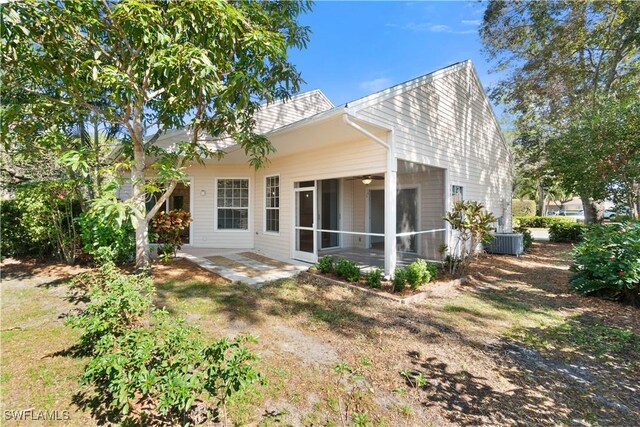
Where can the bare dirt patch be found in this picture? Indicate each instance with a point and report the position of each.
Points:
(182, 269)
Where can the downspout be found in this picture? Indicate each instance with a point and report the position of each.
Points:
(390, 256)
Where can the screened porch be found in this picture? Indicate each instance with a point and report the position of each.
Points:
(346, 216)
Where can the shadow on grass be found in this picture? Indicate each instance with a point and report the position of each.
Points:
(536, 394)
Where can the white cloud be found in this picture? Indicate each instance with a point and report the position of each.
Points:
(430, 27)
(440, 28)
(375, 84)
(471, 22)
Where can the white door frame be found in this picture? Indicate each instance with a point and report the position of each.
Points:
(300, 255)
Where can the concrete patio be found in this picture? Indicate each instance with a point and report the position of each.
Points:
(242, 265)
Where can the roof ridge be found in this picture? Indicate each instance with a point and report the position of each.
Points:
(297, 96)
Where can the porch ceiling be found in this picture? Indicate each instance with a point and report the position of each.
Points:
(307, 135)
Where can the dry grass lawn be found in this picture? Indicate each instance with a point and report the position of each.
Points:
(511, 347)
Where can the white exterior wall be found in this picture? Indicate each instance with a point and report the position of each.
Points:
(341, 160)
(447, 122)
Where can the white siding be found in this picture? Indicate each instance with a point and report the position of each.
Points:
(341, 160)
(282, 113)
(447, 122)
(270, 117)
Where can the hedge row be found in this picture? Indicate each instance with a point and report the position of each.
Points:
(566, 233)
(607, 262)
(541, 221)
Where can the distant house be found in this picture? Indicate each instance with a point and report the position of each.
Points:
(374, 176)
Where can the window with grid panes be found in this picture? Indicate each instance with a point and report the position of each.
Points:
(233, 204)
(272, 204)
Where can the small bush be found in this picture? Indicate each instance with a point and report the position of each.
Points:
(541, 221)
(348, 270)
(325, 264)
(621, 218)
(526, 236)
(472, 225)
(399, 279)
(152, 369)
(117, 302)
(419, 272)
(374, 278)
(566, 233)
(607, 262)
(167, 228)
(164, 368)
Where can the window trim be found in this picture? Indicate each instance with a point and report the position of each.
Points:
(216, 206)
(265, 208)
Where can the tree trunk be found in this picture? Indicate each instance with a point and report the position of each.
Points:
(541, 208)
(139, 195)
(593, 211)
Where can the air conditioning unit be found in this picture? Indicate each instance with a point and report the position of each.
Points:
(506, 243)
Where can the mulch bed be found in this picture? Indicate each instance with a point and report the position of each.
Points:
(406, 296)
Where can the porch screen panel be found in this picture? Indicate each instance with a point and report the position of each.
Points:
(233, 204)
(330, 212)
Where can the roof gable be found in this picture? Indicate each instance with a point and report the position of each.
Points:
(282, 113)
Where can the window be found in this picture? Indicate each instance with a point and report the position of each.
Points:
(456, 194)
(272, 204)
(233, 204)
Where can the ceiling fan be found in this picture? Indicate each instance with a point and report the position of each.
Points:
(367, 179)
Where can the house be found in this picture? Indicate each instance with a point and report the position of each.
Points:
(370, 178)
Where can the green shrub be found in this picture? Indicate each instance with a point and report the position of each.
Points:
(117, 303)
(399, 279)
(152, 369)
(523, 207)
(373, 278)
(166, 228)
(621, 218)
(419, 272)
(526, 236)
(14, 240)
(164, 368)
(473, 225)
(566, 233)
(105, 238)
(541, 221)
(607, 262)
(325, 264)
(348, 270)
(42, 220)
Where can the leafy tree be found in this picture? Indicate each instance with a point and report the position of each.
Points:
(149, 66)
(561, 57)
(609, 161)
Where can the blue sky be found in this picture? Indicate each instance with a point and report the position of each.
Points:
(357, 48)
